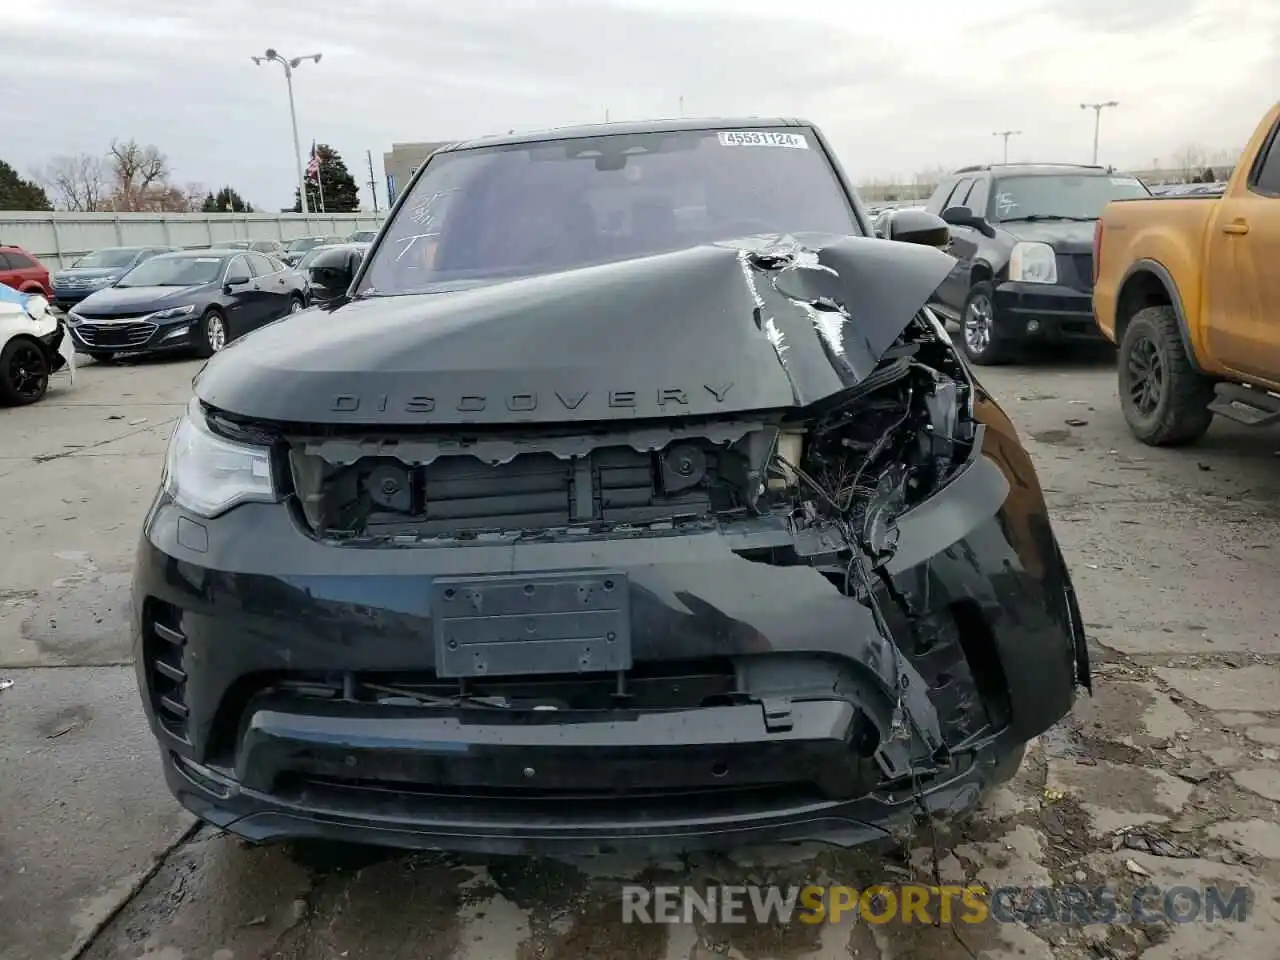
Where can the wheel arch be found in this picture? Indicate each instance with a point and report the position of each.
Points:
(1148, 284)
(981, 271)
(31, 338)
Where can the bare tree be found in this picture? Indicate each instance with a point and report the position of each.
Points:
(139, 172)
(77, 182)
(1189, 161)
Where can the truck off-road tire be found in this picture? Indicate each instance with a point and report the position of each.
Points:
(1165, 401)
(980, 335)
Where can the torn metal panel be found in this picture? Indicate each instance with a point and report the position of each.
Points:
(685, 335)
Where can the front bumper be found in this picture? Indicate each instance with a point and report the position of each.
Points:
(227, 610)
(1044, 312)
(135, 336)
(64, 298)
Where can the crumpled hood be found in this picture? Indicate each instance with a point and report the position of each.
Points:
(762, 323)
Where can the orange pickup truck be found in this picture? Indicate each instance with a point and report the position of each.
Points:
(1189, 290)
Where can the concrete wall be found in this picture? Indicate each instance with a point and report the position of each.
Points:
(55, 239)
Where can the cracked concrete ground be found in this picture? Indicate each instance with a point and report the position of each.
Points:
(1169, 775)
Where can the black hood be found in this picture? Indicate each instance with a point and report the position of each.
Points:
(1065, 236)
(134, 300)
(763, 323)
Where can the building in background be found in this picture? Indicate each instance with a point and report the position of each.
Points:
(403, 161)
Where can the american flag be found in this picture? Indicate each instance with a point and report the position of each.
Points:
(313, 168)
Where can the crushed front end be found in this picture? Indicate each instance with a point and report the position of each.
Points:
(808, 621)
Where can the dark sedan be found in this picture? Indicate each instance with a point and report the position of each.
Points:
(195, 300)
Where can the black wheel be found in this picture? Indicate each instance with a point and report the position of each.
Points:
(213, 333)
(980, 334)
(296, 304)
(24, 372)
(1165, 401)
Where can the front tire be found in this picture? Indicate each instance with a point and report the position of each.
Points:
(983, 344)
(213, 333)
(24, 372)
(1165, 401)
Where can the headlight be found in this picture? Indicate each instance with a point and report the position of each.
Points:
(209, 475)
(1033, 263)
(173, 312)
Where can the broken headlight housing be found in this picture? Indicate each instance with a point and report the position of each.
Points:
(209, 475)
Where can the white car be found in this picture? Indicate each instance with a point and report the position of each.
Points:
(30, 341)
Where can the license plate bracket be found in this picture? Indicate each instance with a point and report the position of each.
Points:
(518, 625)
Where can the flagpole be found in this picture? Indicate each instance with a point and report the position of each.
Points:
(320, 178)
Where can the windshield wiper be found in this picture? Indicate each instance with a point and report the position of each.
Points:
(1033, 217)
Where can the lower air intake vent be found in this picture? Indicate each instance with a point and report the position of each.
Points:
(163, 643)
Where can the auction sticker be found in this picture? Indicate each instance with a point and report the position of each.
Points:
(760, 138)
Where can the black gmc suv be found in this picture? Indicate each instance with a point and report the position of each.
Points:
(627, 494)
(1022, 236)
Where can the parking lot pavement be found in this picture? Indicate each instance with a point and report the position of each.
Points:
(1169, 775)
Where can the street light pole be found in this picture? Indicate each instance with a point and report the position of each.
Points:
(1097, 109)
(1006, 134)
(291, 64)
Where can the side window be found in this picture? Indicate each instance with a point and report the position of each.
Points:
(977, 199)
(236, 270)
(940, 194)
(4, 262)
(259, 264)
(1265, 176)
(961, 197)
(19, 261)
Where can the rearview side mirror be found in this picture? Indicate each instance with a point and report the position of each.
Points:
(332, 273)
(964, 217)
(236, 281)
(916, 226)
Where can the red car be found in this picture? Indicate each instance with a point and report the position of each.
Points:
(20, 270)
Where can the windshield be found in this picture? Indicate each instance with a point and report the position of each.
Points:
(173, 272)
(304, 243)
(535, 208)
(1069, 197)
(105, 259)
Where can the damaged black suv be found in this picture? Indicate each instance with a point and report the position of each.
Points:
(630, 494)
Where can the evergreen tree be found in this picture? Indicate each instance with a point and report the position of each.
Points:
(226, 200)
(337, 191)
(19, 194)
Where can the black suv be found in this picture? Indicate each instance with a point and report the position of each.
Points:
(624, 493)
(1022, 236)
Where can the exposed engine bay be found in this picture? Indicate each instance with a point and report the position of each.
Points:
(863, 458)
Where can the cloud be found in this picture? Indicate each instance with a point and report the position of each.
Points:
(898, 87)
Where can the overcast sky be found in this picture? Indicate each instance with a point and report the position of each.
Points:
(899, 86)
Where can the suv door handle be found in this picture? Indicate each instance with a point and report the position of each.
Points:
(1238, 227)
